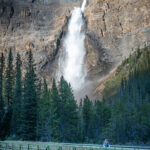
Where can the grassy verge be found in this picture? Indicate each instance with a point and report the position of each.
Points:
(14, 145)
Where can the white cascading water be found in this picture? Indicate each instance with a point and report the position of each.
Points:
(71, 64)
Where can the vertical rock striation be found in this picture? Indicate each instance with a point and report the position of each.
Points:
(34, 24)
(114, 29)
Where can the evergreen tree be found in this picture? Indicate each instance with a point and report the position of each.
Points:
(45, 115)
(101, 119)
(69, 116)
(87, 117)
(9, 81)
(17, 100)
(80, 123)
(1, 86)
(29, 109)
(8, 93)
(40, 89)
(56, 134)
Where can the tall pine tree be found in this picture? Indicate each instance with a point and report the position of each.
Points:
(8, 94)
(45, 115)
(87, 117)
(9, 81)
(1, 86)
(17, 100)
(56, 135)
(29, 109)
(80, 123)
(69, 115)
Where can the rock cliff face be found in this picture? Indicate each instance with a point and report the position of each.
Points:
(113, 29)
(36, 25)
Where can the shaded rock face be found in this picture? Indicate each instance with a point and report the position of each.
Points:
(113, 29)
(36, 25)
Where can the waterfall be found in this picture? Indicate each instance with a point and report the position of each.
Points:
(83, 5)
(71, 62)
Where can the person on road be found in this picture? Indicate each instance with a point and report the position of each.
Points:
(106, 143)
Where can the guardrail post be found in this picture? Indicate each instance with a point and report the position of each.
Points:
(38, 148)
(60, 148)
(28, 146)
(48, 148)
(6, 146)
(12, 146)
(20, 147)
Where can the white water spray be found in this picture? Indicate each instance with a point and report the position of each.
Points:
(71, 64)
(83, 5)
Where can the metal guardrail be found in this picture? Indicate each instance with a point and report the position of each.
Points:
(14, 145)
(132, 147)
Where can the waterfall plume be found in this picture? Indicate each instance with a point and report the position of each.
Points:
(71, 62)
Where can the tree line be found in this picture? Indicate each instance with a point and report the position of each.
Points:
(130, 106)
(29, 110)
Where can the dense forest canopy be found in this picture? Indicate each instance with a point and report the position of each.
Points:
(29, 110)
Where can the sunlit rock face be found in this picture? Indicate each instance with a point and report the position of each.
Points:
(114, 29)
(116, 26)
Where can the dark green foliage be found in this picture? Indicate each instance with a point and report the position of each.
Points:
(8, 94)
(102, 115)
(130, 121)
(17, 100)
(1, 86)
(45, 115)
(53, 115)
(2, 134)
(87, 118)
(9, 81)
(68, 113)
(56, 135)
(5, 124)
(80, 123)
(29, 108)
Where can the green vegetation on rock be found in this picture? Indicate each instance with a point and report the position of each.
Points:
(136, 61)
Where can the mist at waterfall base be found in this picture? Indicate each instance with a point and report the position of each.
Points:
(72, 59)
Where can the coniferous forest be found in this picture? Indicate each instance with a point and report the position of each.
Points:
(29, 110)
